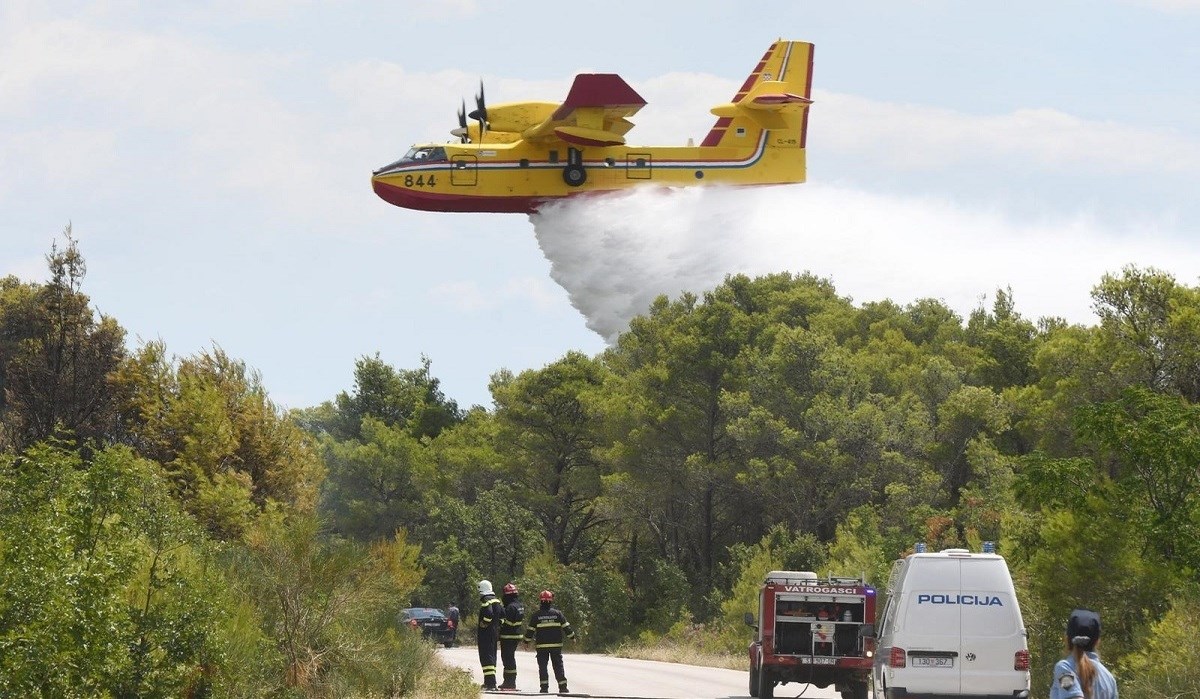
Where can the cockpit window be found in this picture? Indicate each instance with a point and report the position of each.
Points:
(425, 153)
(418, 155)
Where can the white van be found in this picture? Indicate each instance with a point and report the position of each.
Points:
(951, 628)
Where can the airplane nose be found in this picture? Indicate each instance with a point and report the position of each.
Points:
(390, 194)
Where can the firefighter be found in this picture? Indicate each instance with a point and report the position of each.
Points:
(490, 613)
(511, 628)
(547, 629)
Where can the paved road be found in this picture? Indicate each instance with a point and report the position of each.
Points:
(608, 676)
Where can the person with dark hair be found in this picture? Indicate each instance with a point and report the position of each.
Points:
(1081, 674)
(548, 628)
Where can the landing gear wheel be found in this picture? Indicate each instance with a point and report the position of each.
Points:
(766, 685)
(753, 681)
(574, 175)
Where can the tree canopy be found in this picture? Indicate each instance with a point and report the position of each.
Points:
(163, 524)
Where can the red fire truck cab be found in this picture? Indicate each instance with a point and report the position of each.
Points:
(813, 631)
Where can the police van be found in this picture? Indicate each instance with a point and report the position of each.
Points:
(951, 627)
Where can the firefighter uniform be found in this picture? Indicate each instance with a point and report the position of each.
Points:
(547, 630)
(488, 633)
(512, 626)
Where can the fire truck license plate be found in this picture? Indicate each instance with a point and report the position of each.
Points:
(819, 661)
(931, 662)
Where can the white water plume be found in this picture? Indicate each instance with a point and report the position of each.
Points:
(615, 253)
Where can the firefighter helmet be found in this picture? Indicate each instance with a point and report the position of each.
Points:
(546, 596)
(485, 587)
(511, 589)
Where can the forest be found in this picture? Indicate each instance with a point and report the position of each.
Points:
(167, 530)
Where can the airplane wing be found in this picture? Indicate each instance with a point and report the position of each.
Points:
(595, 113)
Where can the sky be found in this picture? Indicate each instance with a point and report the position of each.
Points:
(213, 160)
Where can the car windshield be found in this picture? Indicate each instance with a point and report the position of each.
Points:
(423, 613)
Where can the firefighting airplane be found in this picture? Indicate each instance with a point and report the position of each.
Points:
(515, 157)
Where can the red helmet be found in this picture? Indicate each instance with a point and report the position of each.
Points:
(546, 596)
(510, 589)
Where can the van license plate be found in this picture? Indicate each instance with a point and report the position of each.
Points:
(819, 661)
(931, 662)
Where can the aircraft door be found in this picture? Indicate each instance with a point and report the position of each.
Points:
(638, 166)
(464, 170)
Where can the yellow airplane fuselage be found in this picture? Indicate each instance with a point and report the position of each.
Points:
(518, 178)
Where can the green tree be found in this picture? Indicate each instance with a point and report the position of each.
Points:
(100, 590)
(55, 356)
(1008, 341)
(410, 399)
(491, 538)
(674, 367)
(1087, 556)
(1151, 325)
(1160, 668)
(330, 603)
(379, 484)
(1154, 442)
(548, 433)
(228, 450)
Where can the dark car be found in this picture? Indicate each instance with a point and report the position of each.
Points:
(433, 623)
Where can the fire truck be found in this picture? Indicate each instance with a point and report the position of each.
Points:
(814, 631)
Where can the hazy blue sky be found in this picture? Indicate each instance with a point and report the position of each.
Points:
(214, 161)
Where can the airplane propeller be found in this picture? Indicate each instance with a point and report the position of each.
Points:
(461, 131)
(480, 113)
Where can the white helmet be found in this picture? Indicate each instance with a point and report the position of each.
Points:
(485, 587)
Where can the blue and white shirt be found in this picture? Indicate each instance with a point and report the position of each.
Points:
(1066, 681)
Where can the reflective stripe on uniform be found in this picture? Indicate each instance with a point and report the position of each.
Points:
(484, 618)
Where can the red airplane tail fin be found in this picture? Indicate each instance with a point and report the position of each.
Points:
(775, 97)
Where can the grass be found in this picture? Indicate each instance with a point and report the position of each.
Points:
(670, 652)
(441, 681)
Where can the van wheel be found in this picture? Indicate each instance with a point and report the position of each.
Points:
(753, 681)
(858, 690)
(766, 685)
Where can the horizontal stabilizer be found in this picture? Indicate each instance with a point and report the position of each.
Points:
(764, 118)
(776, 100)
(764, 105)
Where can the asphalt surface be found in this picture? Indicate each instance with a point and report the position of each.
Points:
(611, 677)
